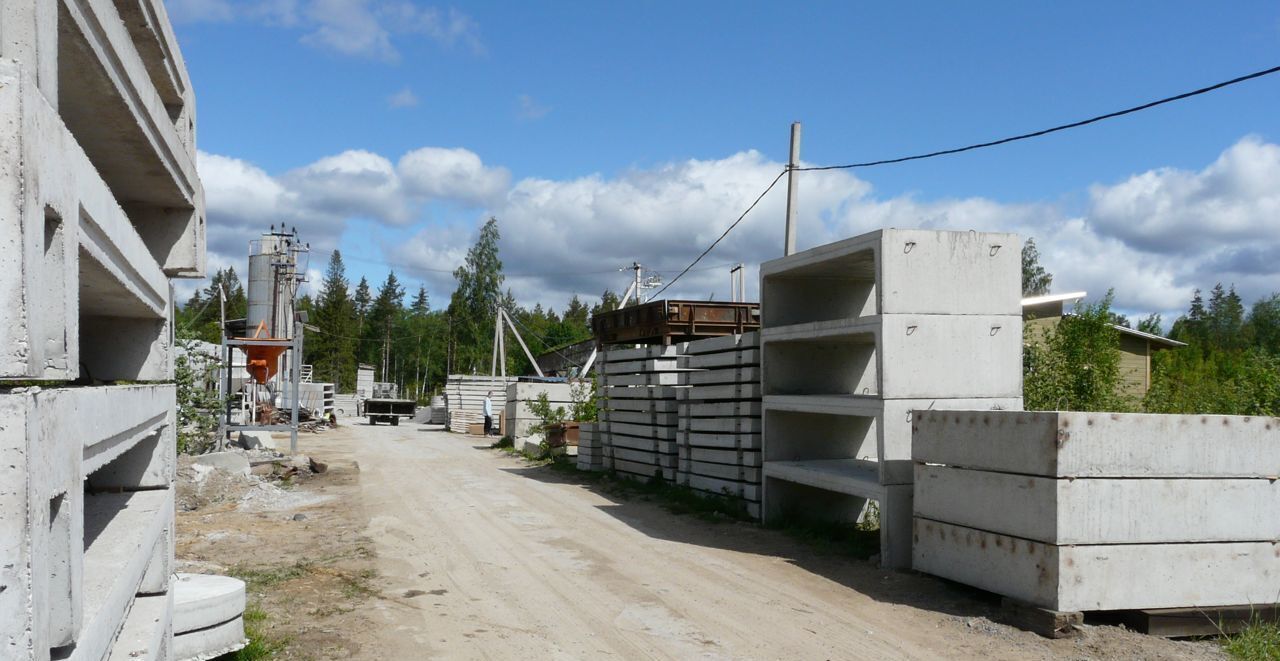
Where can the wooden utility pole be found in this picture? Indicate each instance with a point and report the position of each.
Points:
(789, 247)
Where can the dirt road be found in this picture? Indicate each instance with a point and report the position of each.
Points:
(481, 555)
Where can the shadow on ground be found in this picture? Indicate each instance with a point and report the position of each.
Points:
(648, 516)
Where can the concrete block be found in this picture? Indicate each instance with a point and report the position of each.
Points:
(621, 392)
(716, 456)
(696, 409)
(1101, 510)
(725, 487)
(613, 354)
(894, 271)
(750, 375)
(640, 405)
(201, 601)
(1111, 577)
(744, 358)
(257, 440)
(737, 391)
(644, 379)
(723, 441)
(231, 462)
(650, 418)
(727, 343)
(643, 431)
(722, 471)
(1067, 444)
(734, 425)
(613, 368)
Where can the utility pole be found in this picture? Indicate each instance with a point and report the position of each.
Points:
(386, 350)
(737, 284)
(635, 266)
(789, 247)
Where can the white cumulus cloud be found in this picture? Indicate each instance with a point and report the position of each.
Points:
(1153, 237)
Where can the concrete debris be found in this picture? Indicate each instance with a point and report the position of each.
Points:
(257, 440)
(232, 462)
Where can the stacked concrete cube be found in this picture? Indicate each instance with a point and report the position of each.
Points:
(860, 334)
(520, 419)
(637, 419)
(99, 206)
(719, 418)
(1101, 511)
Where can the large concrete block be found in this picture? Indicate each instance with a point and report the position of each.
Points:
(1110, 577)
(895, 271)
(1067, 444)
(1101, 510)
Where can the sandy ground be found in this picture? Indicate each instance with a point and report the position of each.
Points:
(481, 555)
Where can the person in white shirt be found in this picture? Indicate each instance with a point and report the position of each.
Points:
(488, 413)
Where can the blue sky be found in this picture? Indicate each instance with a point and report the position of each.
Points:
(599, 133)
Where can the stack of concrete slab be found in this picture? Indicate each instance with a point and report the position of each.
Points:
(520, 419)
(719, 418)
(464, 399)
(100, 206)
(590, 449)
(860, 334)
(1101, 511)
(637, 419)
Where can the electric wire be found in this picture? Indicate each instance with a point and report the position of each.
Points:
(1055, 129)
(981, 145)
(724, 234)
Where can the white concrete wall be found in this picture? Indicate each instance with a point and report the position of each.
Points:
(99, 206)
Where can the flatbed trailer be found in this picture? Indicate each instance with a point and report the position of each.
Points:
(388, 410)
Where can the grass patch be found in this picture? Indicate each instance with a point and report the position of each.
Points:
(260, 578)
(506, 442)
(1260, 641)
(262, 645)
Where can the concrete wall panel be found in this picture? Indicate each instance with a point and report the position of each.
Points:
(1069, 444)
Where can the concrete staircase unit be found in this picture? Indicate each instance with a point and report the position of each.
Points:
(860, 334)
(99, 206)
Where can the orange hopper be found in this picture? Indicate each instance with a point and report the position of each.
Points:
(262, 360)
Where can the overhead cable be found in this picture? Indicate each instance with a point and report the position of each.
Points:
(1055, 129)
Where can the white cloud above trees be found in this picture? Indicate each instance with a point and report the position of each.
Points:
(1153, 236)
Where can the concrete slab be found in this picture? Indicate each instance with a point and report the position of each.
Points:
(739, 391)
(123, 527)
(1101, 510)
(147, 632)
(727, 359)
(728, 425)
(1112, 577)
(1066, 444)
(749, 375)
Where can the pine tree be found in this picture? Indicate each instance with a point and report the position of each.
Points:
(1151, 324)
(420, 304)
(332, 350)
(361, 302)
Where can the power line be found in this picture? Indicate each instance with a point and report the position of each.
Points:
(1062, 127)
(993, 143)
(726, 233)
